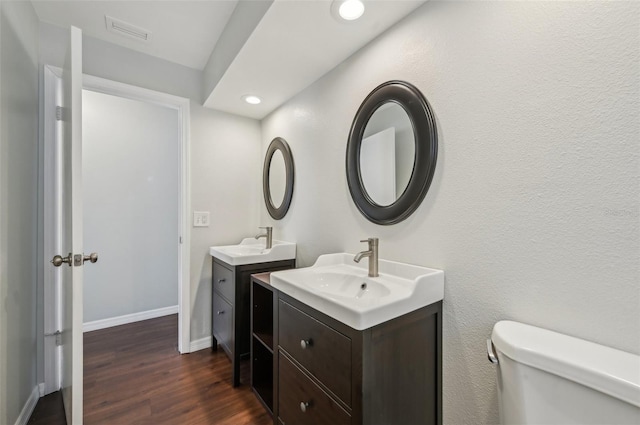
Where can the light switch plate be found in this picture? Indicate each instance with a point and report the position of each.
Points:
(201, 219)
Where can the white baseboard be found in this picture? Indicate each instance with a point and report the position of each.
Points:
(27, 410)
(41, 389)
(200, 344)
(128, 318)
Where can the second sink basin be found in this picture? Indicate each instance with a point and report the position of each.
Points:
(340, 288)
(252, 251)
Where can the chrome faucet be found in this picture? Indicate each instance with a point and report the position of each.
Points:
(372, 253)
(268, 235)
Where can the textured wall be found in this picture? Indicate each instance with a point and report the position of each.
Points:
(226, 175)
(533, 211)
(18, 205)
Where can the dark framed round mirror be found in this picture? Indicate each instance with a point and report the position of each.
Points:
(391, 152)
(277, 178)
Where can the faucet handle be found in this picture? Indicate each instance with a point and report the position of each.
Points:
(265, 227)
(370, 240)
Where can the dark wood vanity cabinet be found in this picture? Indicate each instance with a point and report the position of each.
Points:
(325, 372)
(231, 307)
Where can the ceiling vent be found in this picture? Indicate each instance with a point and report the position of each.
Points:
(116, 26)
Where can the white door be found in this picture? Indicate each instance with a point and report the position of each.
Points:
(69, 202)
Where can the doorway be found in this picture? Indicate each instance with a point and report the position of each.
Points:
(140, 298)
(130, 209)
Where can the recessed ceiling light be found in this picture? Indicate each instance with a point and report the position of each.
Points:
(349, 10)
(251, 99)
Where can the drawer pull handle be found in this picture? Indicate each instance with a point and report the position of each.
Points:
(304, 406)
(304, 343)
(222, 280)
(220, 312)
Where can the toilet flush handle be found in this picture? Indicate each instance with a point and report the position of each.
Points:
(491, 353)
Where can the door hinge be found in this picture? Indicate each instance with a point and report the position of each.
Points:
(59, 113)
(180, 239)
(58, 335)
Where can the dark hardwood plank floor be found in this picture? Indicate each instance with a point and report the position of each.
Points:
(133, 374)
(49, 411)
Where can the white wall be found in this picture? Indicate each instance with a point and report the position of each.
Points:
(130, 154)
(533, 212)
(18, 205)
(226, 176)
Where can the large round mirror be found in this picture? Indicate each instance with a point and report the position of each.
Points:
(391, 152)
(277, 178)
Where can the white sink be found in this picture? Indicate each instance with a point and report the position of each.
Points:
(337, 286)
(252, 251)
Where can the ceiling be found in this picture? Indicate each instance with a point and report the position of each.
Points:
(289, 45)
(184, 32)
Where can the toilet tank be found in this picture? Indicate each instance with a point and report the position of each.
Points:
(549, 378)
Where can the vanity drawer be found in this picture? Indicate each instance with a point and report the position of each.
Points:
(301, 401)
(223, 281)
(326, 353)
(222, 321)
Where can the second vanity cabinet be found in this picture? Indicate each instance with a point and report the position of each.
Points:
(325, 372)
(230, 307)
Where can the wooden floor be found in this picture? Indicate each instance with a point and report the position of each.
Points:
(49, 411)
(133, 374)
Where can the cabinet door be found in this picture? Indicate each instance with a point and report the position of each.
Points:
(223, 322)
(223, 282)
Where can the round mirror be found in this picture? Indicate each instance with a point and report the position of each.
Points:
(391, 152)
(277, 178)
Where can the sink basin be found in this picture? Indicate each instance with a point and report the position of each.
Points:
(252, 251)
(345, 286)
(337, 286)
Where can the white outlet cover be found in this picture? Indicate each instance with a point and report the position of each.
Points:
(201, 219)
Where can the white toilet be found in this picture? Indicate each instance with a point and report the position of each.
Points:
(548, 378)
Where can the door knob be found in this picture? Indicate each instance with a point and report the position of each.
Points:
(93, 257)
(58, 260)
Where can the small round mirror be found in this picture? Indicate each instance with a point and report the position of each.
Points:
(387, 154)
(391, 152)
(277, 178)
